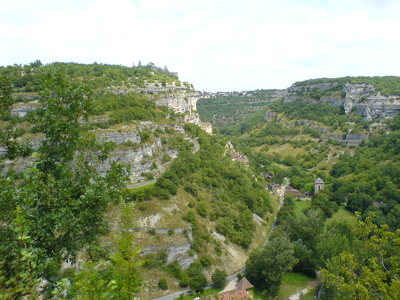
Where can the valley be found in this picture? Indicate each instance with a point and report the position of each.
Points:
(126, 182)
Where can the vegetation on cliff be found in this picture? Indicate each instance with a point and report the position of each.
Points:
(29, 78)
(55, 210)
(303, 140)
(387, 85)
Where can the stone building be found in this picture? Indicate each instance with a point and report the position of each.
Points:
(318, 185)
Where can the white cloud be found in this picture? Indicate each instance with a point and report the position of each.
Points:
(216, 45)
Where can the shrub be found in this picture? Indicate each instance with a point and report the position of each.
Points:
(202, 208)
(163, 284)
(198, 283)
(166, 158)
(219, 278)
(175, 269)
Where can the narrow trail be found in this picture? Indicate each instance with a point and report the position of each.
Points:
(298, 295)
(281, 201)
(130, 186)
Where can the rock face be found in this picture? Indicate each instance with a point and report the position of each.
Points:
(141, 157)
(362, 98)
(141, 160)
(178, 253)
(350, 139)
(183, 103)
(379, 109)
(270, 116)
(21, 111)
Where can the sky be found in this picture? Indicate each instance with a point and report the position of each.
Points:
(216, 45)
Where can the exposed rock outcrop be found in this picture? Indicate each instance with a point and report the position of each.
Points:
(141, 160)
(176, 252)
(183, 103)
(362, 98)
(270, 116)
(21, 110)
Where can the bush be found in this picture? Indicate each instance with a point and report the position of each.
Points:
(205, 260)
(166, 158)
(175, 269)
(163, 284)
(149, 176)
(219, 278)
(184, 281)
(198, 283)
(202, 208)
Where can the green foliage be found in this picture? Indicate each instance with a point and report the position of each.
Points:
(198, 283)
(10, 132)
(175, 269)
(166, 158)
(27, 78)
(387, 85)
(374, 171)
(64, 105)
(224, 111)
(336, 239)
(324, 113)
(62, 200)
(6, 99)
(265, 267)
(163, 284)
(116, 278)
(153, 260)
(202, 208)
(307, 226)
(232, 188)
(219, 278)
(369, 271)
(323, 200)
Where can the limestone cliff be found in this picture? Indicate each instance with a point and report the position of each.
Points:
(361, 98)
(143, 158)
(182, 103)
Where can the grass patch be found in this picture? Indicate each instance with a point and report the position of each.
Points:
(258, 294)
(143, 188)
(301, 205)
(311, 294)
(286, 150)
(270, 217)
(343, 214)
(291, 283)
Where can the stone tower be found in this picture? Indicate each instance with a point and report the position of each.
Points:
(318, 185)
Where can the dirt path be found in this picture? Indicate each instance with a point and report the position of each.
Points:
(130, 186)
(303, 291)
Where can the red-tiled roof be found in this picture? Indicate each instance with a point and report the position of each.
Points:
(234, 295)
(237, 294)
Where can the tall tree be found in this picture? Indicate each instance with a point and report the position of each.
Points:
(6, 99)
(114, 278)
(266, 266)
(62, 200)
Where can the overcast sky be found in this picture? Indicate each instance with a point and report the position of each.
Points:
(217, 45)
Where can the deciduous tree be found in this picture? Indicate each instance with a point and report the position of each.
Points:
(61, 199)
(266, 266)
